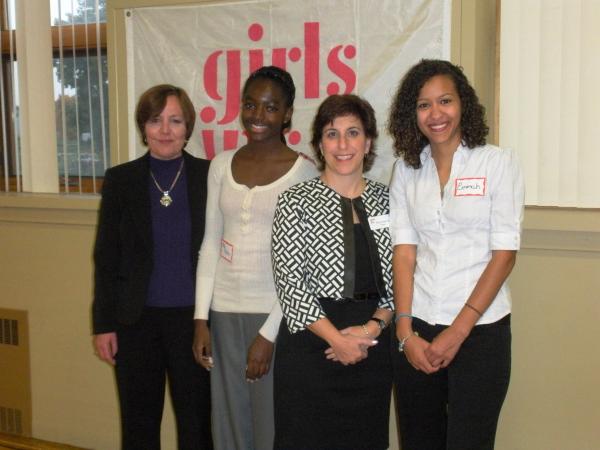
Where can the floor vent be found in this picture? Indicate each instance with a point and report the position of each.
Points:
(11, 420)
(9, 332)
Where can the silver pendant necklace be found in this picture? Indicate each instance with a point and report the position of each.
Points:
(166, 199)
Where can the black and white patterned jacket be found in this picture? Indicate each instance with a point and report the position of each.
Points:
(308, 247)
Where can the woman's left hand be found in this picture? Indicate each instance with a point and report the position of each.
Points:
(260, 354)
(444, 347)
(355, 330)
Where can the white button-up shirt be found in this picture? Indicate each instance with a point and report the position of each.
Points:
(481, 210)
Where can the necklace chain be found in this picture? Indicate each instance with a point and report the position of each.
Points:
(166, 199)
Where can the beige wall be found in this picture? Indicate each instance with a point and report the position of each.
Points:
(45, 256)
(46, 244)
(553, 401)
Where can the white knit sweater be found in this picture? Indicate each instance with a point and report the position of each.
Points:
(234, 267)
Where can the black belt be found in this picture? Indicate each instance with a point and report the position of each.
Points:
(360, 296)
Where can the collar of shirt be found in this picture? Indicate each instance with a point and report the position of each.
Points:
(455, 235)
(461, 155)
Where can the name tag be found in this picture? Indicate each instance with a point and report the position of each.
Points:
(377, 222)
(226, 250)
(464, 187)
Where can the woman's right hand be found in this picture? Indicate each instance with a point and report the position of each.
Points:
(201, 347)
(105, 346)
(414, 349)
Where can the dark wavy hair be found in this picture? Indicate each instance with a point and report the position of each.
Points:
(402, 126)
(336, 106)
(280, 77)
(153, 101)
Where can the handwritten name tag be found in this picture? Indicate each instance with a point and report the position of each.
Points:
(464, 187)
(377, 222)
(226, 250)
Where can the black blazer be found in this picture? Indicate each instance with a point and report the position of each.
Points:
(123, 248)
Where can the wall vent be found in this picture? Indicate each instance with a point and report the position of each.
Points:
(11, 420)
(9, 332)
(15, 376)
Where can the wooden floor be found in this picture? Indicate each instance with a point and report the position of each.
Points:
(13, 442)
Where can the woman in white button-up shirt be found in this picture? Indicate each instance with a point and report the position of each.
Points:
(456, 212)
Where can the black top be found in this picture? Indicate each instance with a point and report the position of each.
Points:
(364, 278)
(350, 251)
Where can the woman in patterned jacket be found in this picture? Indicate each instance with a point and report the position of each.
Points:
(332, 267)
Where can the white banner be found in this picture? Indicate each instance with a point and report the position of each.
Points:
(329, 46)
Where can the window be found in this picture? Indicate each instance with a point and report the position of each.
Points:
(80, 95)
(81, 92)
(9, 113)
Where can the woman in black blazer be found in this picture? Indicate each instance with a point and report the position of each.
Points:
(150, 227)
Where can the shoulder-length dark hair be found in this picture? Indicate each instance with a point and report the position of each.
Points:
(402, 126)
(153, 101)
(336, 106)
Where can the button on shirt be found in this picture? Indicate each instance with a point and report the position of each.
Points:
(234, 267)
(481, 210)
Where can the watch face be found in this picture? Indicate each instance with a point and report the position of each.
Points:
(380, 322)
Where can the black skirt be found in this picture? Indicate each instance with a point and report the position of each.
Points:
(324, 405)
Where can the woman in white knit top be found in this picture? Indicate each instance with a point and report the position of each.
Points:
(234, 283)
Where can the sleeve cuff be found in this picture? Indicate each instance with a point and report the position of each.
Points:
(505, 241)
(403, 236)
(270, 328)
(386, 303)
(299, 326)
(203, 298)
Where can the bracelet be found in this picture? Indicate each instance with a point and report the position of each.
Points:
(402, 343)
(401, 315)
(479, 313)
(364, 327)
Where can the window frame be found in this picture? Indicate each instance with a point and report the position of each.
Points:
(85, 184)
(90, 35)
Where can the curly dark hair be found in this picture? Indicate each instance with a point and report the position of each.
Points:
(280, 77)
(402, 126)
(336, 106)
(153, 101)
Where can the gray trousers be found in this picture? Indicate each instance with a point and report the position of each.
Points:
(242, 412)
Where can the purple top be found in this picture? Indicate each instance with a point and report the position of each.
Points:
(172, 280)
